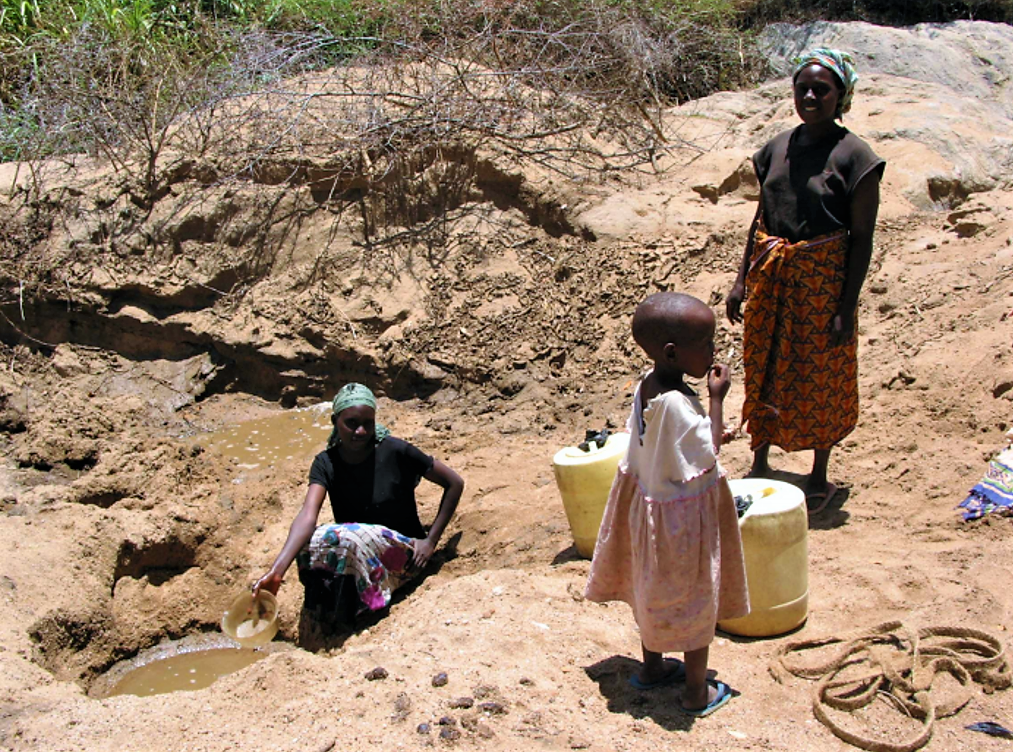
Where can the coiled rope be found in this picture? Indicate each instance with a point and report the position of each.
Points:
(902, 662)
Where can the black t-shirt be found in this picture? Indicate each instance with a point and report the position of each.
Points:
(807, 189)
(378, 491)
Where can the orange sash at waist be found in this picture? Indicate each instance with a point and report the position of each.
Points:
(770, 250)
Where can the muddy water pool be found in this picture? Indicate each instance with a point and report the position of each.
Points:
(197, 661)
(188, 671)
(192, 663)
(294, 434)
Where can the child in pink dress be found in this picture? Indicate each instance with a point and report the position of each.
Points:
(669, 542)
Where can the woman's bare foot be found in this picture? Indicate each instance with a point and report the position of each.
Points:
(818, 495)
(816, 486)
(818, 490)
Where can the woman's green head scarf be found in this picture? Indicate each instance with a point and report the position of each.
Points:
(837, 62)
(352, 395)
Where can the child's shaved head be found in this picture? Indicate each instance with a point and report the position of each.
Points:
(669, 317)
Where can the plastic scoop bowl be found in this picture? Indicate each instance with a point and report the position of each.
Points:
(252, 622)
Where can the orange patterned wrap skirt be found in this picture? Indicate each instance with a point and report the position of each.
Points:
(801, 392)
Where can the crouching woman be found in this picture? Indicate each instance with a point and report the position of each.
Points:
(377, 542)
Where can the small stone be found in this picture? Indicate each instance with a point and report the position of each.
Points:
(484, 690)
(376, 674)
(447, 721)
(484, 731)
(575, 592)
(440, 680)
(577, 742)
(968, 228)
(462, 702)
(422, 728)
(450, 734)
(526, 681)
(708, 191)
(492, 708)
(402, 703)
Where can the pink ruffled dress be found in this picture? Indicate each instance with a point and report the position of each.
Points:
(669, 542)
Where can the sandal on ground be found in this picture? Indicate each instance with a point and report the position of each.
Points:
(724, 694)
(817, 501)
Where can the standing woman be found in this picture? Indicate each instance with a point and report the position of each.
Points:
(806, 258)
(377, 542)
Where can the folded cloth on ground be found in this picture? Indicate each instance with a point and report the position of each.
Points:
(994, 491)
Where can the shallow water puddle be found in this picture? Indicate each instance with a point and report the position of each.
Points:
(294, 434)
(192, 662)
(187, 671)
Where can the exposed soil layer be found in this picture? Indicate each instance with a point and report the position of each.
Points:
(495, 325)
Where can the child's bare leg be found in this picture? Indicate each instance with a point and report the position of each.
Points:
(760, 468)
(654, 668)
(697, 693)
(817, 481)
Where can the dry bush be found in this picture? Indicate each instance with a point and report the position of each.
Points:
(399, 128)
(514, 73)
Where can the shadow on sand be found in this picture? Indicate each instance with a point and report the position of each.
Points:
(661, 705)
(829, 518)
(567, 555)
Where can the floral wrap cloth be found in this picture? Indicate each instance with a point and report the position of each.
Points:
(994, 493)
(380, 559)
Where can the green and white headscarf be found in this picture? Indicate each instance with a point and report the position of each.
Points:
(836, 61)
(353, 395)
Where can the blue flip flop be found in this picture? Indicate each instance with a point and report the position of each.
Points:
(675, 676)
(723, 696)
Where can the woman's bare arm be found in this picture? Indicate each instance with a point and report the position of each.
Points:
(299, 535)
(453, 487)
(864, 210)
(733, 304)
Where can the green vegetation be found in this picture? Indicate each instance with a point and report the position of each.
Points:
(109, 76)
(393, 110)
(101, 75)
(21, 21)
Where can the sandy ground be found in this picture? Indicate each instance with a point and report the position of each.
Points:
(119, 532)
